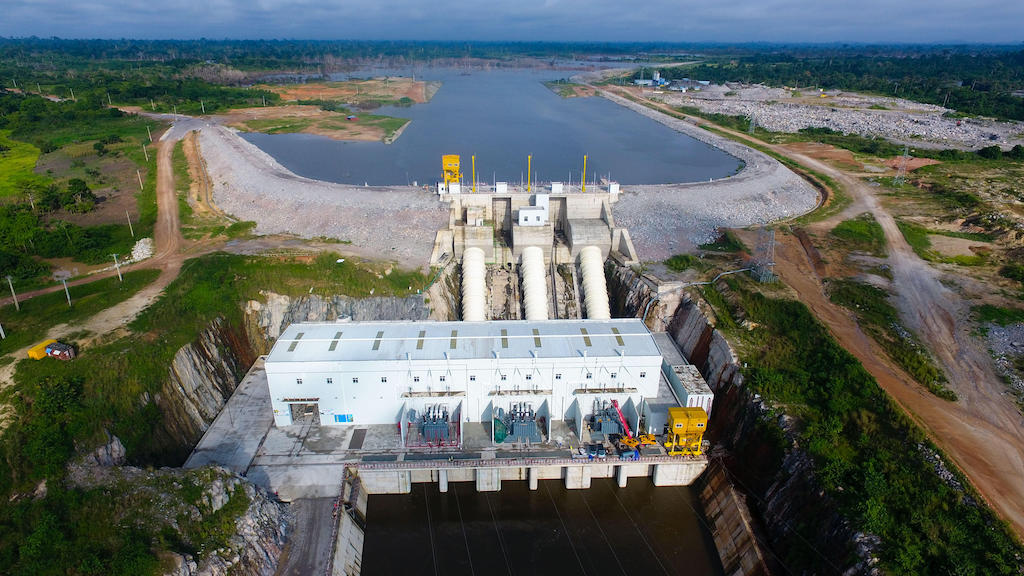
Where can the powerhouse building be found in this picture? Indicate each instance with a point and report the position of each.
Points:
(396, 372)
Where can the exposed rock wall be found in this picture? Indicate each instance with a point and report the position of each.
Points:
(762, 453)
(201, 378)
(264, 321)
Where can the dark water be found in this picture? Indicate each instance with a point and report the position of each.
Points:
(639, 529)
(501, 116)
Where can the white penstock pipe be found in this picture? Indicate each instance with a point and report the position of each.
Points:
(535, 292)
(595, 290)
(474, 285)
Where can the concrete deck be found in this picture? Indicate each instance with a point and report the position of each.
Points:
(307, 460)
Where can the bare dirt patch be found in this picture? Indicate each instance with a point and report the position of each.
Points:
(912, 163)
(112, 178)
(357, 91)
(309, 120)
(948, 246)
(838, 156)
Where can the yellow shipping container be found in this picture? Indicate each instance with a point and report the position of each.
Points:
(38, 352)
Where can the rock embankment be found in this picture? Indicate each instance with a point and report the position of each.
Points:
(387, 223)
(899, 120)
(667, 219)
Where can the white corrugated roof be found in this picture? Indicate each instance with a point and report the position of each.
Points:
(365, 341)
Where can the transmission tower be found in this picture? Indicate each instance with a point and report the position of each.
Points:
(763, 269)
(753, 123)
(901, 171)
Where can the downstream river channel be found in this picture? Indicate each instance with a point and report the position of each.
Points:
(639, 529)
(501, 116)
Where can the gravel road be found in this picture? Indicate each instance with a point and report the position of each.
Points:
(384, 223)
(666, 219)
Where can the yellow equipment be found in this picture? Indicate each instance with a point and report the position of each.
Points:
(647, 440)
(38, 352)
(450, 168)
(685, 430)
(630, 442)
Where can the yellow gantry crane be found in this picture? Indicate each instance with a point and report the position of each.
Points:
(451, 169)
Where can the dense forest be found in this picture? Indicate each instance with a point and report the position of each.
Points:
(972, 83)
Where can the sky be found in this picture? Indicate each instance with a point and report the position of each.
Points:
(871, 21)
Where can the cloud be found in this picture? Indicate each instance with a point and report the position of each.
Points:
(552, 20)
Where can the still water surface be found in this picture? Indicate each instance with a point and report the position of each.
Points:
(639, 529)
(501, 116)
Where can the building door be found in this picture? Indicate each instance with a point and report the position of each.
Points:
(305, 413)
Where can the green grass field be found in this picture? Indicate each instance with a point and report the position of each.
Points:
(17, 165)
(39, 314)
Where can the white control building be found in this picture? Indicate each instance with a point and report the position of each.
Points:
(381, 372)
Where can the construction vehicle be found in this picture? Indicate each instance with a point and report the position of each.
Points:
(53, 349)
(629, 441)
(685, 431)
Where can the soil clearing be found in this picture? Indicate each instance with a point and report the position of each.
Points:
(357, 92)
(311, 120)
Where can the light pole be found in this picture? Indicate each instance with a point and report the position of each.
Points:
(13, 295)
(118, 267)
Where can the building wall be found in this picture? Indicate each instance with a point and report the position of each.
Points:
(374, 392)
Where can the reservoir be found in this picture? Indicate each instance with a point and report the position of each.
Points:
(501, 116)
(639, 529)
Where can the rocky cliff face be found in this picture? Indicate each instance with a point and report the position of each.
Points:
(264, 321)
(761, 451)
(256, 546)
(201, 378)
(192, 504)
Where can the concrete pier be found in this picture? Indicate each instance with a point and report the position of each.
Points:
(533, 478)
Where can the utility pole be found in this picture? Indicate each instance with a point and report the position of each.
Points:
(13, 295)
(139, 174)
(73, 95)
(64, 281)
(2, 334)
(117, 265)
(146, 152)
(150, 134)
(109, 103)
(130, 229)
(38, 88)
(203, 105)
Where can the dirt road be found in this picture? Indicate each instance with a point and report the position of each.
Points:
(983, 432)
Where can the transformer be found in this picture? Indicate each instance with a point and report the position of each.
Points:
(685, 431)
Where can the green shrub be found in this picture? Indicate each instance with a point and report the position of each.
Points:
(862, 233)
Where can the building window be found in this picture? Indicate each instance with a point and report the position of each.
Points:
(442, 378)
(355, 380)
(504, 377)
(558, 376)
(298, 380)
(384, 379)
(590, 375)
(472, 378)
(529, 376)
(330, 380)
(643, 374)
(415, 378)
(614, 375)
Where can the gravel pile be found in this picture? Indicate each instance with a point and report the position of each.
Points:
(143, 249)
(671, 218)
(902, 121)
(1007, 343)
(387, 223)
